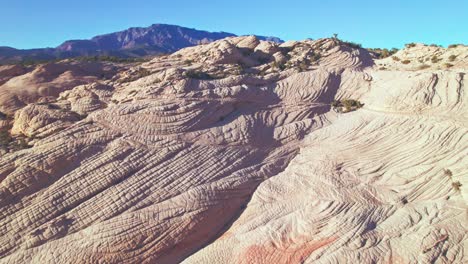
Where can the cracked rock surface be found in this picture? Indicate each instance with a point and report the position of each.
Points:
(230, 152)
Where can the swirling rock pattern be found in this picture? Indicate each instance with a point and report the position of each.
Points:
(243, 161)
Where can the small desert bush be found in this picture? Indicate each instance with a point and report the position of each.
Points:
(286, 50)
(452, 57)
(435, 59)
(315, 57)
(3, 116)
(456, 185)
(451, 46)
(353, 44)
(448, 65)
(410, 45)
(5, 138)
(448, 173)
(303, 66)
(140, 73)
(188, 62)
(395, 58)
(20, 144)
(424, 66)
(280, 66)
(350, 103)
(347, 105)
(263, 60)
(406, 62)
(383, 53)
(102, 58)
(199, 75)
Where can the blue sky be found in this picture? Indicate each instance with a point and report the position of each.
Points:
(47, 23)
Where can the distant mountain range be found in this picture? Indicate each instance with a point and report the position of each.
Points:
(133, 42)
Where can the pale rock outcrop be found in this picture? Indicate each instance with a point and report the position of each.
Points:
(206, 162)
(49, 80)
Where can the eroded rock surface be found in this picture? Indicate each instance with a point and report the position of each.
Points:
(230, 152)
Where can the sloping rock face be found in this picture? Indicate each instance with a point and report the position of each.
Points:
(22, 85)
(230, 152)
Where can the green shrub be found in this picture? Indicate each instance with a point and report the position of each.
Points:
(20, 144)
(347, 105)
(350, 103)
(353, 44)
(199, 75)
(5, 138)
(263, 60)
(286, 50)
(456, 186)
(448, 173)
(452, 57)
(140, 73)
(102, 58)
(303, 66)
(435, 59)
(410, 45)
(453, 46)
(424, 66)
(406, 62)
(383, 53)
(280, 66)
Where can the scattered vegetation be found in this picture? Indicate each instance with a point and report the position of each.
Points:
(456, 186)
(20, 144)
(315, 57)
(5, 138)
(199, 75)
(280, 66)
(8, 142)
(246, 52)
(448, 173)
(424, 66)
(353, 44)
(103, 58)
(448, 65)
(285, 50)
(435, 59)
(140, 73)
(303, 66)
(383, 53)
(263, 60)
(406, 62)
(188, 62)
(395, 58)
(410, 45)
(346, 105)
(100, 58)
(451, 46)
(452, 57)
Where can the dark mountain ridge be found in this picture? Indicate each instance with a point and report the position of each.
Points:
(132, 42)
